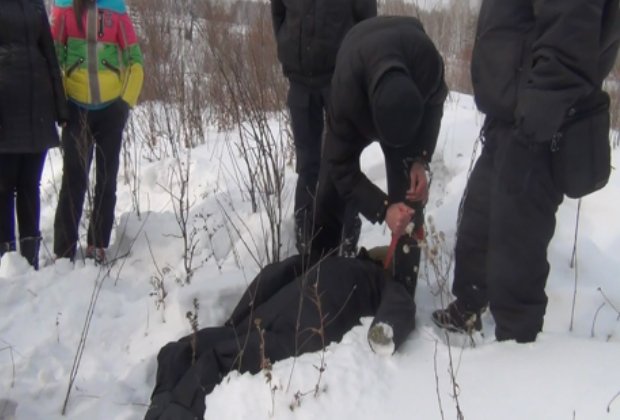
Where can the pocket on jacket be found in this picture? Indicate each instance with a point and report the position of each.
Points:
(581, 158)
(495, 70)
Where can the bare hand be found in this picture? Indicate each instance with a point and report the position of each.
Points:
(397, 217)
(418, 187)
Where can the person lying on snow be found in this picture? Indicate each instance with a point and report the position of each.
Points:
(278, 317)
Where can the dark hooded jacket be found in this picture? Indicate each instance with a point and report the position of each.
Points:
(292, 307)
(529, 69)
(369, 51)
(309, 32)
(32, 97)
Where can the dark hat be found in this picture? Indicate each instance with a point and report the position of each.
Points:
(397, 109)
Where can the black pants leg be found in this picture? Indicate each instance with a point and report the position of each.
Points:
(9, 168)
(20, 176)
(183, 383)
(406, 261)
(77, 146)
(108, 135)
(307, 107)
(518, 225)
(472, 241)
(29, 205)
(86, 130)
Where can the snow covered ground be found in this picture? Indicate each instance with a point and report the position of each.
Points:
(564, 375)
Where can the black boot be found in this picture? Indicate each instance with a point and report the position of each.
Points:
(458, 318)
(6, 247)
(29, 248)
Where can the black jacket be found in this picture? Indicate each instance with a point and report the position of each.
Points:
(534, 60)
(369, 50)
(32, 97)
(284, 298)
(309, 32)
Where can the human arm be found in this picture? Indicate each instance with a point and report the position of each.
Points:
(132, 61)
(564, 56)
(47, 47)
(342, 151)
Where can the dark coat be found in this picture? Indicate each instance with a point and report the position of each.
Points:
(369, 50)
(284, 294)
(309, 32)
(291, 307)
(32, 97)
(529, 69)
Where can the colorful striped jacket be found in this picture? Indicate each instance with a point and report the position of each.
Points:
(103, 62)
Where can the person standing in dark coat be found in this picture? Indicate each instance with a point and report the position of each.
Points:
(281, 314)
(389, 86)
(308, 34)
(32, 100)
(535, 63)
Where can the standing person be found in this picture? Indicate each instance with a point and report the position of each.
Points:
(534, 64)
(308, 34)
(292, 307)
(32, 99)
(388, 85)
(102, 64)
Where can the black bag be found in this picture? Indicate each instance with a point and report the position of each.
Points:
(581, 151)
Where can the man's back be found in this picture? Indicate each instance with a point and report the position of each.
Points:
(309, 32)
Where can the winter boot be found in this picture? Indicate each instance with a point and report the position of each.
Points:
(381, 339)
(29, 248)
(458, 318)
(97, 254)
(6, 247)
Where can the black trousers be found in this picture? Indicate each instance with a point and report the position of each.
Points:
(20, 176)
(185, 376)
(307, 106)
(507, 223)
(88, 130)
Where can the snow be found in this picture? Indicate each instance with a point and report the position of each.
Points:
(565, 374)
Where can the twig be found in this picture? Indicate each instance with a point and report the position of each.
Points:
(437, 382)
(594, 320)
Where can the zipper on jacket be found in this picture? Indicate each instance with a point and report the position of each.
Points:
(91, 42)
(110, 67)
(74, 66)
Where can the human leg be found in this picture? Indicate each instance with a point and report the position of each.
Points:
(522, 224)
(306, 108)
(190, 376)
(472, 243)
(29, 205)
(77, 157)
(108, 127)
(8, 180)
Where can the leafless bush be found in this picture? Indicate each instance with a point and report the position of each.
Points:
(247, 92)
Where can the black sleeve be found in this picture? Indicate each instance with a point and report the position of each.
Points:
(343, 159)
(46, 44)
(364, 9)
(426, 140)
(270, 279)
(565, 56)
(278, 13)
(396, 309)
